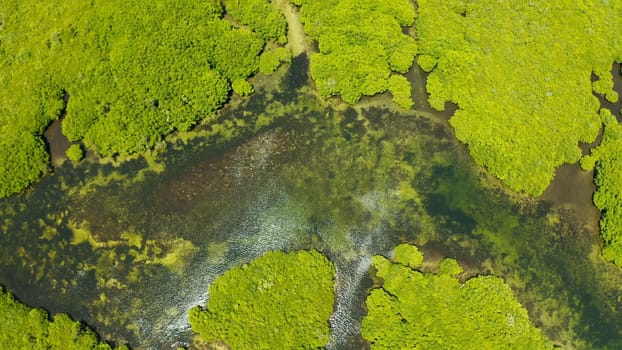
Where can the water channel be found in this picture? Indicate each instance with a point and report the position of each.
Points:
(129, 248)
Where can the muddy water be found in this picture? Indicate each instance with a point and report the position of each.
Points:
(420, 96)
(57, 142)
(313, 177)
(573, 188)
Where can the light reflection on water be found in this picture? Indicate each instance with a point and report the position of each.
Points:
(238, 201)
(266, 224)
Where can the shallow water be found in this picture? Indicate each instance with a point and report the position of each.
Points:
(573, 188)
(129, 249)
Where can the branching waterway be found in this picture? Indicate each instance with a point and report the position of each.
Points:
(129, 249)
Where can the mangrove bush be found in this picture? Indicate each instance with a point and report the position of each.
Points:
(435, 311)
(126, 72)
(520, 73)
(278, 301)
(23, 327)
(605, 160)
(361, 47)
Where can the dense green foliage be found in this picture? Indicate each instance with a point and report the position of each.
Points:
(278, 301)
(23, 158)
(426, 62)
(361, 46)
(436, 311)
(128, 72)
(29, 97)
(520, 73)
(608, 179)
(75, 152)
(242, 87)
(149, 77)
(25, 328)
(261, 16)
(408, 255)
(270, 60)
(399, 87)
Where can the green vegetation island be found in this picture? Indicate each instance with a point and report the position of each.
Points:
(269, 174)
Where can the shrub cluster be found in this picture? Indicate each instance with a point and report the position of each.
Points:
(413, 310)
(362, 47)
(605, 160)
(129, 72)
(277, 301)
(520, 73)
(26, 328)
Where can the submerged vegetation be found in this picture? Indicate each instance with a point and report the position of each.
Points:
(520, 74)
(130, 248)
(546, 254)
(435, 311)
(278, 301)
(278, 174)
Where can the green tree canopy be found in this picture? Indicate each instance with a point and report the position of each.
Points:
(608, 179)
(271, 59)
(520, 73)
(278, 301)
(23, 158)
(413, 310)
(261, 16)
(75, 152)
(129, 72)
(361, 45)
(25, 328)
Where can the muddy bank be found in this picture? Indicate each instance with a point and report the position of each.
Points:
(297, 40)
(573, 189)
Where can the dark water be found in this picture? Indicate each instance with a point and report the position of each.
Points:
(57, 142)
(129, 249)
(615, 108)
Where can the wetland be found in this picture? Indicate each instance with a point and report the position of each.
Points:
(318, 148)
(130, 247)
